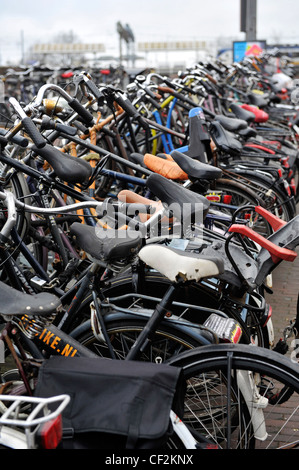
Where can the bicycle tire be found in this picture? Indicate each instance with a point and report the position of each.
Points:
(277, 380)
(18, 186)
(240, 195)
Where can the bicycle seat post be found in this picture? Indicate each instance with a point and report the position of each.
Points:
(161, 309)
(85, 284)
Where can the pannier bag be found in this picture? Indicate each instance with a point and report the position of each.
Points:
(114, 404)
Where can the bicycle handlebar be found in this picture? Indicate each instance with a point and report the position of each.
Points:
(73, 102)
(18, 140)
(28, 125)
(94, 90)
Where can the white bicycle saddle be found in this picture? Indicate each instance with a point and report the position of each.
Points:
(175, 264)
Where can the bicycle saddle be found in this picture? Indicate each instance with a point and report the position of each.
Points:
(230, 123)
(165, 167)
(223, 140)
(137, 158)
(129, 197)
(14, 302)
(242, 113)
(194, 168)
(259, 114)
(257, 100)
(106, 245)
(175, 264)
(247, 133)
(184, 204)
(67, 168)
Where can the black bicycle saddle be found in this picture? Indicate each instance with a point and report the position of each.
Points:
(67, 168)
(14, 302)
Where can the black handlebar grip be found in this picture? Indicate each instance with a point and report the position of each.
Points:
(16, 139)
(3, 141)
(129, 108)
(95, 91)
(126, 104)
(33, 132)
(188, 89)
(66, 129)
(183, 98)
(168, 82)
(150, 93)
(153, 102)
(83, 112)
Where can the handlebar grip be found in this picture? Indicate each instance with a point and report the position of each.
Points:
(126, 105)
(129, 108)
(48, 123)
(188, 89)
(16, 139)
(66, 129)
(150, 93)
(95, 91)
(212, 79)
(83, 112)
(168, 82)
(153, 102)
(33, 132)
(3, 140)
(183, 98)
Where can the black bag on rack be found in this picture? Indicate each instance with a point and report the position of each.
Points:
(114, 404)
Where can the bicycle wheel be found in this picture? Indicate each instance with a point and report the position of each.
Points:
(18, 186)
(242, 196)
(240, 396)
(167, 341)
(272, 196)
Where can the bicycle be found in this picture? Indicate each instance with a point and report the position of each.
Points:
(237, 412)
(192, 260)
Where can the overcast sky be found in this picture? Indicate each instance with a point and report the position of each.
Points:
(150, 20)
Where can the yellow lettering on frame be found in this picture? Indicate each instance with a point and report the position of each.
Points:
(48, 336)
(55, 342)
(67, 350)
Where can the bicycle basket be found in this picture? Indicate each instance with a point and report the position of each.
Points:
(114, 404)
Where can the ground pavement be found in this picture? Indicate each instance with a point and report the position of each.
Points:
(284, 298)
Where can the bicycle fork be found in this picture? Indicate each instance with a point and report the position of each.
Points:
(254, 401)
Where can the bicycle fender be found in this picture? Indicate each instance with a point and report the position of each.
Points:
(191, 330)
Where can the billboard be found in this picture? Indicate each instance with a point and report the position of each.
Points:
(242, 49)
(171, 46)
(67, 48)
